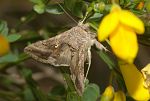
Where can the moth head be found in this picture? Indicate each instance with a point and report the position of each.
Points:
(42, 50)
(84, 26)
(49, 51)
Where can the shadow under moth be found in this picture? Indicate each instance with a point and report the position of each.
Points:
(70, 48)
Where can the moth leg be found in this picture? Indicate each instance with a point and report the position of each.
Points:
(89, 63)
(100, 46)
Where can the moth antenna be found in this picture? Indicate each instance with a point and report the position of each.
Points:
(81, 22)
(67, 13)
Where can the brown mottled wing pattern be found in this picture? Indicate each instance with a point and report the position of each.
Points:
(50, 51)
(70, 48)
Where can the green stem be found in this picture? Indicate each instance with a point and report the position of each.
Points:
(71, 90)
(22, 56)
(111, 77)
(66, 75)
(32, 15)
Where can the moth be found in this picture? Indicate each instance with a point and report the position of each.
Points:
(70, 48)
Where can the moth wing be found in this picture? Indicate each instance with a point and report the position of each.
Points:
(64, 57)
(50, 51)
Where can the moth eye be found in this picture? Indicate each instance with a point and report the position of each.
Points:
(56, 46)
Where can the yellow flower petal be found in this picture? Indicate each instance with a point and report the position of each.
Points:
(4, 45)
(107, 26)
(119, 96)
(124, 43)
(108, 94)
(134, 82)
(129, 19)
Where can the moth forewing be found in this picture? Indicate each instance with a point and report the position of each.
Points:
(70, 48)
(49, 51)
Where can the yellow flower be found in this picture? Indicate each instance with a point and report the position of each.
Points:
(121, 27)
(134, 82)
(4, 45)
(108, 94)
(119, 96)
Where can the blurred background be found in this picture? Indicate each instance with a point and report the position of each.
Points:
(38, 27)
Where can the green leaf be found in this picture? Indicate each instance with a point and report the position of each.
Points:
(96, 16)
(8, 58)
(54, 9)
(94, 25)
(70, 4)
(106, 59)
(91, 93)
(77, 10)
(75, 6)
(39, 8)
(3, 28)
(13, 37)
